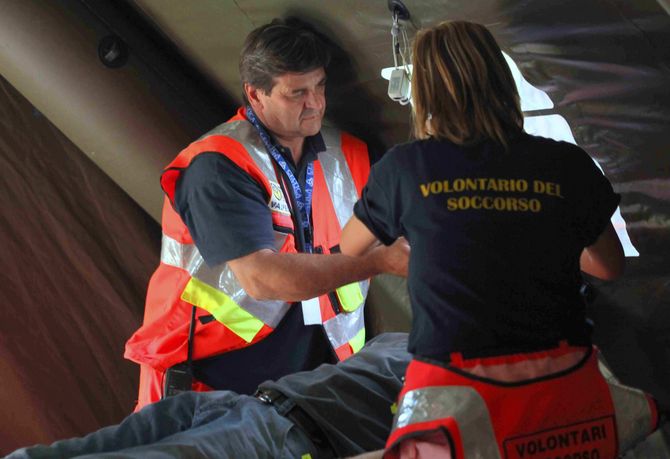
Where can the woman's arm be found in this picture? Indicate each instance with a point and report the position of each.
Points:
(604, 258)
(356, 238)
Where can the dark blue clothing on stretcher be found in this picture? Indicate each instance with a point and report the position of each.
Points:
(349, 403)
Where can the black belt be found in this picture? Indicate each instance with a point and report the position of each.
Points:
(288, 408)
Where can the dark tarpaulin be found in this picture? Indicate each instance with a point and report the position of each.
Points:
(606, 66)
(76, 256)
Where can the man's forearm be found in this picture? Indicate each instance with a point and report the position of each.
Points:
(299, 276)
(269, 275)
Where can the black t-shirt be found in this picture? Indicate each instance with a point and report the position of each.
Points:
(495, 240)
(227, 215)
(351, 401)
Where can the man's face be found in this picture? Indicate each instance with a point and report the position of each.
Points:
(295, 106)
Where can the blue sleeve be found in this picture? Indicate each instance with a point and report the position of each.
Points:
(379, 209)
(595, 201)
(224, 209)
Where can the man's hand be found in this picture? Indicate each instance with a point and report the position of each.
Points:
(392, 259)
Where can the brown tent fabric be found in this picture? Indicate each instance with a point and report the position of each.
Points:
(76, 256)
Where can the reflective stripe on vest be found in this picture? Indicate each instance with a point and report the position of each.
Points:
(338, 177)
(351, 296)
(222, 308)
(635, 416)
(358, 341)
(221, 279)
(464, 405)
(340, 183)
(345, 328)
(245, 133)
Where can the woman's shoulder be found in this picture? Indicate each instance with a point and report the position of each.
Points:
(561, 154)
(551, 145)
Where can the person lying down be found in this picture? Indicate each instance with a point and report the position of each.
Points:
(332, 411)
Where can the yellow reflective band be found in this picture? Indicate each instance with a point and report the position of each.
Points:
(350, 296)
(306, 456)
(394, 408)
(224, 309)
(358, 341)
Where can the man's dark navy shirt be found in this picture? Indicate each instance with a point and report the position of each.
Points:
(496, 238)
(227, 215)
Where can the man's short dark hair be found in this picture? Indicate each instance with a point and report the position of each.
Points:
(282, 46)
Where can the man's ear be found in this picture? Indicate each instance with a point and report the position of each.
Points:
(253, 94)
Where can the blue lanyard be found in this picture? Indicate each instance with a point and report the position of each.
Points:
(303, 200)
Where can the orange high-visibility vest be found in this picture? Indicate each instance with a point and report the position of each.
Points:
(183, 279)
(574, 413)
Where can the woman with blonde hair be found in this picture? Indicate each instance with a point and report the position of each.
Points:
(499, 223)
